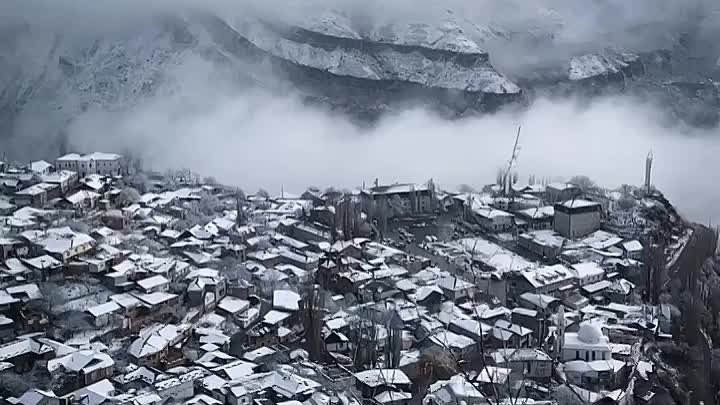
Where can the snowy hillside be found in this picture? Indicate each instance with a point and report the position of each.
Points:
(455, 65)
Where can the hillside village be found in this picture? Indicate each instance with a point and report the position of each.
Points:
(119, 286)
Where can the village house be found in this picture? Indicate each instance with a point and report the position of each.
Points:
(335, 341)
(260, 355)
(596, 291)
(493, 220)
(105, 314)
(85, 367)
(556, 192)
(233, 306)
(587, 273)
(402, 199)
(65, 180)
(373, 382)
(24, 353)
(116, 219)
(531, 319)
(154, 342)
(205, 283)
(153, 284)
(454, 343)
(538, 218)
(546, 244)
(7, 326)
(456, 390)
(543, 280)
(544, 304)
(34, 196)
(276, 326)
(61, 243)
(474, 329)
(456, 289)
(633, 249)
(507, 334)
(80, 200)
(527, 363)
(44, 266)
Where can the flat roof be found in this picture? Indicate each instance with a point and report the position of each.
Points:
(547, 211)
(579, 203)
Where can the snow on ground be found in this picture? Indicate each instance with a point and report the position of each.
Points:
(74, 295)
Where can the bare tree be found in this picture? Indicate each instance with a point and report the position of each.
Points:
(500, 177)
(583, 183)
(465, 189)
(209, 205)
(263, 193)
(240, 200)
(127, 196)
(312, 305)
(211, 181)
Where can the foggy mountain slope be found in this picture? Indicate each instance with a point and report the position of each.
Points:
(454, 63)
(63, 78)
(59, 82)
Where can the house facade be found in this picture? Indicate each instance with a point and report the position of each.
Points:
(107, 164)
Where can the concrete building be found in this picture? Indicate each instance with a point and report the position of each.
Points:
(577, 218)
(106, 164)
(403, 199)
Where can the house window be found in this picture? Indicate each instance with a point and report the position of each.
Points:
(587, 356)
(593, 355)
(603, 356)
(577, 355)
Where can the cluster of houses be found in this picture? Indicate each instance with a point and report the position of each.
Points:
(178, 290)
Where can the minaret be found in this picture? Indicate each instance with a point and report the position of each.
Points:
(648, 171)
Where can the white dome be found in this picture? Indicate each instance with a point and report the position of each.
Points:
(590, 333)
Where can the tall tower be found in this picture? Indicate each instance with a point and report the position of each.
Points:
(648, 171)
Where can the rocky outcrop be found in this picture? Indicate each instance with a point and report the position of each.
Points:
(605, 66)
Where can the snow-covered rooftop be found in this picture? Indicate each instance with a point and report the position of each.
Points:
(382, 376)
(286, 300)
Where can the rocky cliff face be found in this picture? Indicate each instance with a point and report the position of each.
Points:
(47, 78)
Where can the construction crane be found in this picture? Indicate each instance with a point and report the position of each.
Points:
(507, 181)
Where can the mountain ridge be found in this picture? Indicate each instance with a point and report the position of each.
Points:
(328, 60)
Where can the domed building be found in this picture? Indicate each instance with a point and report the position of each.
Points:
(587, 358)
(588, 344)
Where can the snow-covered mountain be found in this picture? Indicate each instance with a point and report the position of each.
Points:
(47, 78)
